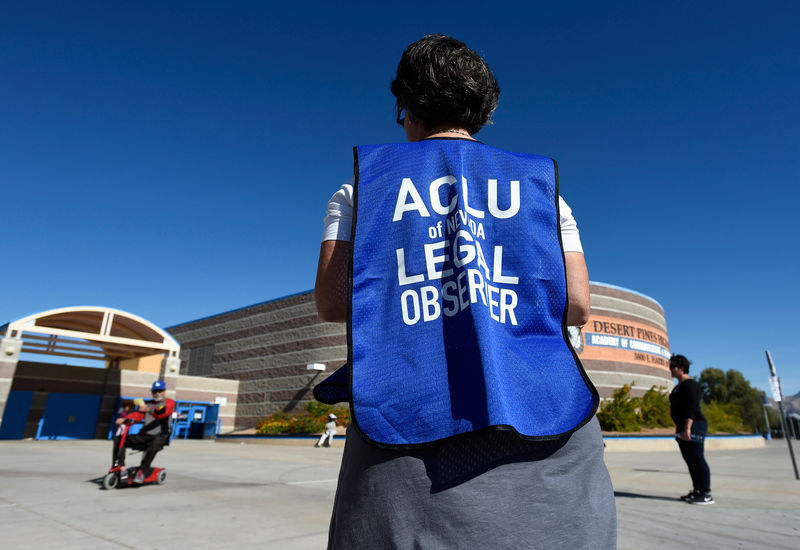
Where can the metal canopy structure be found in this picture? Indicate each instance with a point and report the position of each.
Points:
(89, 332)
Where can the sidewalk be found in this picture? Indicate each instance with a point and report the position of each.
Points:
(757, 500)
(228, 496)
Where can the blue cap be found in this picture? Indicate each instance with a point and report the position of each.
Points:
(158, 385)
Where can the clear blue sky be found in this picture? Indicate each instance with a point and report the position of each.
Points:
(174, 159)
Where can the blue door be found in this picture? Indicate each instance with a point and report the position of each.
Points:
(16, 414)
(180, 426)
(212, 421)
(70, 416)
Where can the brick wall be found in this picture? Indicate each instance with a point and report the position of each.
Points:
(266, 347)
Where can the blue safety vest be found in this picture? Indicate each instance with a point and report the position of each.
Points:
(457, 319)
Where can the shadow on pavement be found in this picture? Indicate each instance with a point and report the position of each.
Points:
(658, 471)
(624, 494)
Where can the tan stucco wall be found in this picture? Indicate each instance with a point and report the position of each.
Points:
(151, 364)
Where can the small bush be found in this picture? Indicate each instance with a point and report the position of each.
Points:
(722, 417)
(321, 411)
(619, 414)
(276, 423)
(654, 408)
(281, 423)
(315, 408)
(304, 425)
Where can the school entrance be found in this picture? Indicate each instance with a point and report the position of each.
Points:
(63, 401)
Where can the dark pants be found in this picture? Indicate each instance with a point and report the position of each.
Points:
(150, 444)
(692, 452)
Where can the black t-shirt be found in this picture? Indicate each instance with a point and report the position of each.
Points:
(684, 403)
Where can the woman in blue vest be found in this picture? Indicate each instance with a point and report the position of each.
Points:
(448, 467)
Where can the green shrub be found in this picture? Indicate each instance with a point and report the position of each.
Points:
(304, 425)
(619, 413)
(281, 423)
(276, 423)
(623, 413)
(722, 417)
(315, 408)
(321, 410)
(654, 408)
(733, 387)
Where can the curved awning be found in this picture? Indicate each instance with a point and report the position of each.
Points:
(90, 332)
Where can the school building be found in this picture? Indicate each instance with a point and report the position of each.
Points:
(234, 368)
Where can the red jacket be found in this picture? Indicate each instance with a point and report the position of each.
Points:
(157, 420)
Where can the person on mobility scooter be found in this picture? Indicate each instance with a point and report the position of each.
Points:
(154, 435)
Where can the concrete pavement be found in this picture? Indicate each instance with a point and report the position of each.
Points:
(232, 496)
(757, 500)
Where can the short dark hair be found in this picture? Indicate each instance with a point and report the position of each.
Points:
(441, 81)
(680, 362)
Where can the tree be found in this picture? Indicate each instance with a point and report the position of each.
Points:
(712, 385)
(749, 399)
(774, 418)
(732, 387)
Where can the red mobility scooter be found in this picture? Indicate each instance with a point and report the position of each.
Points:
(119, 476)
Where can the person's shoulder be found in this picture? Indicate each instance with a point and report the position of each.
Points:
(347, 188)
(690, 384)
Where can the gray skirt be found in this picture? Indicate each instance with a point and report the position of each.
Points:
(489, 490)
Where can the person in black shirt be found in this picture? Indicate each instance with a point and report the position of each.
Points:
(690, 429)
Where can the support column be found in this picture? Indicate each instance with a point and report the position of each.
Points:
(172, 366)
(9, 357)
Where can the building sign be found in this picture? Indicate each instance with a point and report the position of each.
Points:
(610, 339)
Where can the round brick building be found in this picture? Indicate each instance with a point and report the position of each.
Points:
(624, 342)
